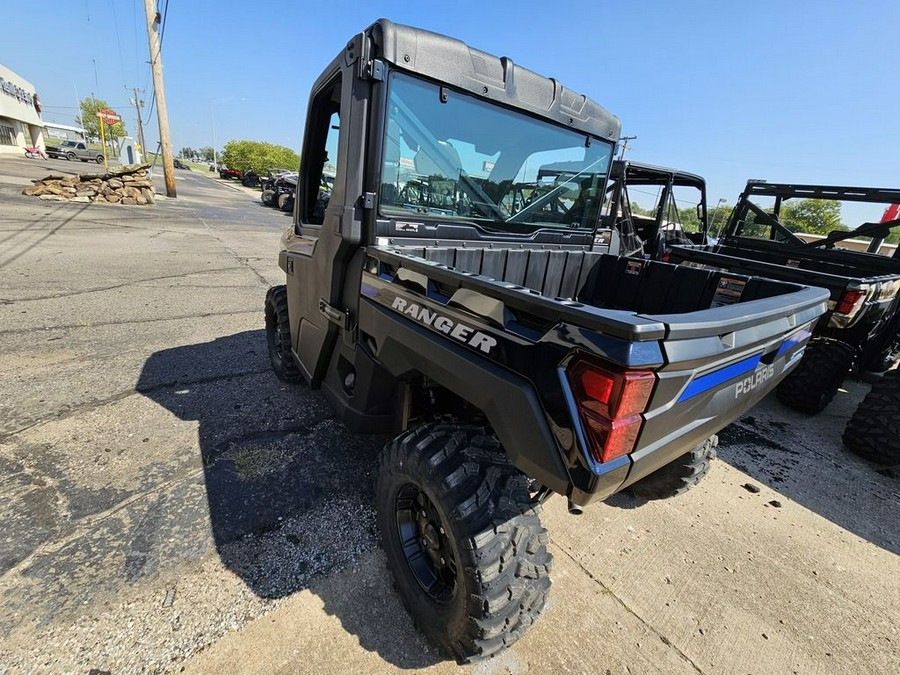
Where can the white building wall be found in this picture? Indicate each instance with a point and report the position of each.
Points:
(18, 114)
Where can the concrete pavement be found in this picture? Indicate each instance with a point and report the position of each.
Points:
(166, 503)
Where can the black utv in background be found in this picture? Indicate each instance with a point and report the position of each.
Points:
(861, 328)
(278, 190)
(669, 194)
(448, 289)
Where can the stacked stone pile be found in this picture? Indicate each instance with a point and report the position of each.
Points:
(129, 185)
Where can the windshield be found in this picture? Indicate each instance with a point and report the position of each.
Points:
(467, 159)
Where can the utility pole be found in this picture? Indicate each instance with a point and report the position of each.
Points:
(161, 110)
(138, 104)
(624, 145)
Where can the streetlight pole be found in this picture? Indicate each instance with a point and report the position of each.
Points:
(721, 201)
(212, 117)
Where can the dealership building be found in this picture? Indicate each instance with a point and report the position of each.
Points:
(21, 125)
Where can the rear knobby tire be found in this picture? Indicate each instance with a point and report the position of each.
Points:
(816, 379)
(680, 475)
(278, 335)
(463, 539)
(282, 200)
(874, 430)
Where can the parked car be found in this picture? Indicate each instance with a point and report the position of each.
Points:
(72, 150)
(181, 165)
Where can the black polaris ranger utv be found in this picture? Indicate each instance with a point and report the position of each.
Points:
(862, 327)
(649, 231)
(451, 292)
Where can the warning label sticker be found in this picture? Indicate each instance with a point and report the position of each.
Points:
(728, 291)
(634, 267)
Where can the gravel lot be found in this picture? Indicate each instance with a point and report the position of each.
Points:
(166, 503)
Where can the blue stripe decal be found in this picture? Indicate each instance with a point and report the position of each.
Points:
(792, 341)
(714, 379)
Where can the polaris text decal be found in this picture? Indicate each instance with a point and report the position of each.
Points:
(750, 383)
(445, 325)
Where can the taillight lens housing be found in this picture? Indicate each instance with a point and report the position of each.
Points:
(850, 302)
(610, 403)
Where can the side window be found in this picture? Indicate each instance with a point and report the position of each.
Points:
(321, 154)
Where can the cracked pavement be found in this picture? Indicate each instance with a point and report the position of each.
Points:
(167, 504)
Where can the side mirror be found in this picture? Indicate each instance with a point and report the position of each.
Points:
(700, 211)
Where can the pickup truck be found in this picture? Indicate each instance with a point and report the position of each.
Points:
(72, 150)
(447, 290)
(863, 320)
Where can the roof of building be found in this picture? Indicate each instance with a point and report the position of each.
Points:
(64, 127)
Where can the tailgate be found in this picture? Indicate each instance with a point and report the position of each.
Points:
(718, 364)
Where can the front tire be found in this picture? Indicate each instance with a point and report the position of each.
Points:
(874, 430)
(814, 382)
(278, 335)
(679, 476)
(70, 157)
(462, 538)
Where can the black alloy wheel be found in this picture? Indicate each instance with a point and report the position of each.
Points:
(427, 549)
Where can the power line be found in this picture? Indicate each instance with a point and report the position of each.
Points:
(118, 39)
(137, 60)
(162, 28)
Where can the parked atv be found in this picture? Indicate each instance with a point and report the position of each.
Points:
(432, 295)
(250, 178)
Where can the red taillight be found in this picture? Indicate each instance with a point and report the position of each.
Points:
(610, 404)
(598, 387)
(850, 302)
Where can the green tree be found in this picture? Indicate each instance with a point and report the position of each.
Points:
(638, 210)
(688, 219)
(718, 215)
(259, 156)
(205, 153)
(89, 121)
(813, 216)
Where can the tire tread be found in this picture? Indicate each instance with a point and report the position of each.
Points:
(814, 382)
(501, 543)
(680, 475)
(873, 431)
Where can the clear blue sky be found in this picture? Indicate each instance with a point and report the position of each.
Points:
(804, 91)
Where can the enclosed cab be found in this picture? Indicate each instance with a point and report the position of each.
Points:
(447, 286)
